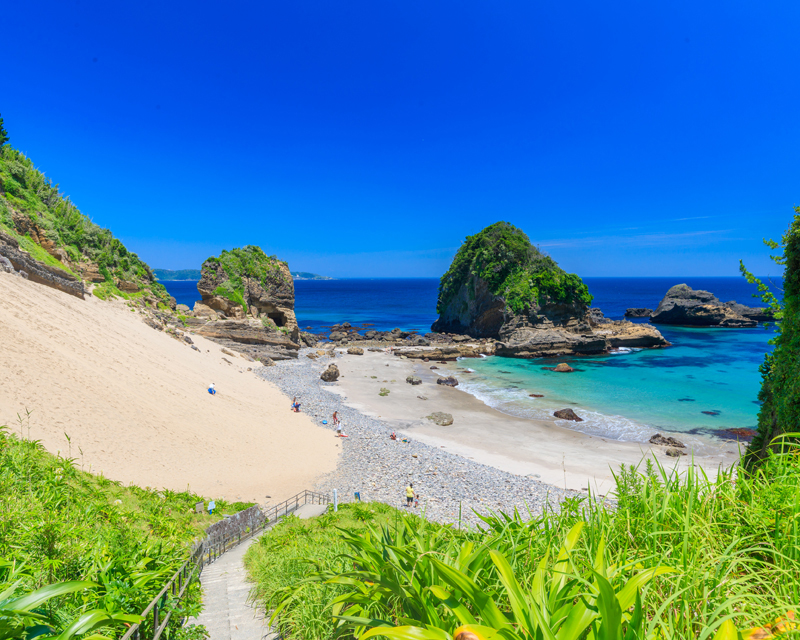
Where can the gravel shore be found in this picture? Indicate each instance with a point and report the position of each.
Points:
(450, 487)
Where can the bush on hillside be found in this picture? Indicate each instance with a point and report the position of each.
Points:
(779, 416)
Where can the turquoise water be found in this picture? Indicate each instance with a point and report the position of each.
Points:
(628, 395)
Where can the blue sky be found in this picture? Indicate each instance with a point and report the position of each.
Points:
(369, 138)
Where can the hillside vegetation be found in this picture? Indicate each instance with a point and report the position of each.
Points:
(779, 417)
(53, 231)
(61, 524)
(503, 257)
(675, 558)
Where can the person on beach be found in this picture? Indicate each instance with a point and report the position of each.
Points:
(295, 405)
(212, 389)
(409, 494)
(336, 419)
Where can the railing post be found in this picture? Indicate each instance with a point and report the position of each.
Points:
(155, 619)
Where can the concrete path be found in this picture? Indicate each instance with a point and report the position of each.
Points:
(227, 613)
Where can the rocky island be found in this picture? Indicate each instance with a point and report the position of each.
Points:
(501, 287)
(683, 305)
(248, 305)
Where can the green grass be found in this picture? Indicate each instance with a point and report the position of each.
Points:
(61, 524)
(676, 557)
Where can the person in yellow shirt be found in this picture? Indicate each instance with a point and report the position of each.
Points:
(409, 494)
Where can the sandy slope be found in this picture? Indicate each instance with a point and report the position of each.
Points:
(134, 400)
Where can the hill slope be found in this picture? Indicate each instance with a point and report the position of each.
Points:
(54, 232)
(134, 400)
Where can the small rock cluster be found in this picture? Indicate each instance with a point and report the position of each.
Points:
(379, 468)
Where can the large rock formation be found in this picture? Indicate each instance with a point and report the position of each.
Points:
(683, 305)
(248, 282)
(500, 286)
(248, 304)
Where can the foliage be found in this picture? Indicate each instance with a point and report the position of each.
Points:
(677, 556)
(3, 133)
(503, 257)
(248, 263)
(780, 371)
(31, 203)
(62, 525)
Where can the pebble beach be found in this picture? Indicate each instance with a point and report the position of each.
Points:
(452, 489)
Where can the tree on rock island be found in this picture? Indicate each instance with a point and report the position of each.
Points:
(779, 417)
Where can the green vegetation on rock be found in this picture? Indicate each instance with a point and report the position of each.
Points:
(44, 221)
(779, 416)
(251, 263)
(513, 268)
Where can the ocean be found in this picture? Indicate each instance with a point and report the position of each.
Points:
(706, 382)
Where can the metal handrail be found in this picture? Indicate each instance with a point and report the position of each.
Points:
(206, 552)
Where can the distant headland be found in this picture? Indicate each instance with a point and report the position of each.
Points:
(195, 274)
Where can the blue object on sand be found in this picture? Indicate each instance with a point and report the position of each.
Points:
(324, 422)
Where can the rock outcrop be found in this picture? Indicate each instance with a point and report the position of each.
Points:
(248, 305)
(440, 418)
(499, 286)
(666, 441)
(683, 305)
(247, 282)
(38, 272)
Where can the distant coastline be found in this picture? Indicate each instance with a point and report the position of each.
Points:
(188, 275)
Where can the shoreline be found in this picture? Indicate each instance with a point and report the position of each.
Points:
(559, 456)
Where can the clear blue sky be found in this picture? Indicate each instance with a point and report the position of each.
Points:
(366, 138)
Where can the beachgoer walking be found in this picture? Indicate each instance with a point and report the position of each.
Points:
(335, 418)
(212, 389)
(295, 405)
(409, 494)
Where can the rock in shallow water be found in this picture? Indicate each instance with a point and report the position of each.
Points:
(449, 381)
(567, 414)
(667, 441)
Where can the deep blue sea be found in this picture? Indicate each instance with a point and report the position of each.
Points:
(624, 395)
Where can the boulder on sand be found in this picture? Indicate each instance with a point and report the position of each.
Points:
(567, 414)
(666, 441)
(331, 374)
(355, 351)
(413, 380)
(441, 418)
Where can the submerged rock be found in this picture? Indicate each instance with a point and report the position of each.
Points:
(567, 414)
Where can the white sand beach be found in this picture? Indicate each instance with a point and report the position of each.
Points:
(134, 401)
(561, 457)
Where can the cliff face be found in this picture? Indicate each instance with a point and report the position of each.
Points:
(500, 286)
(48, 238)
(683, 305)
